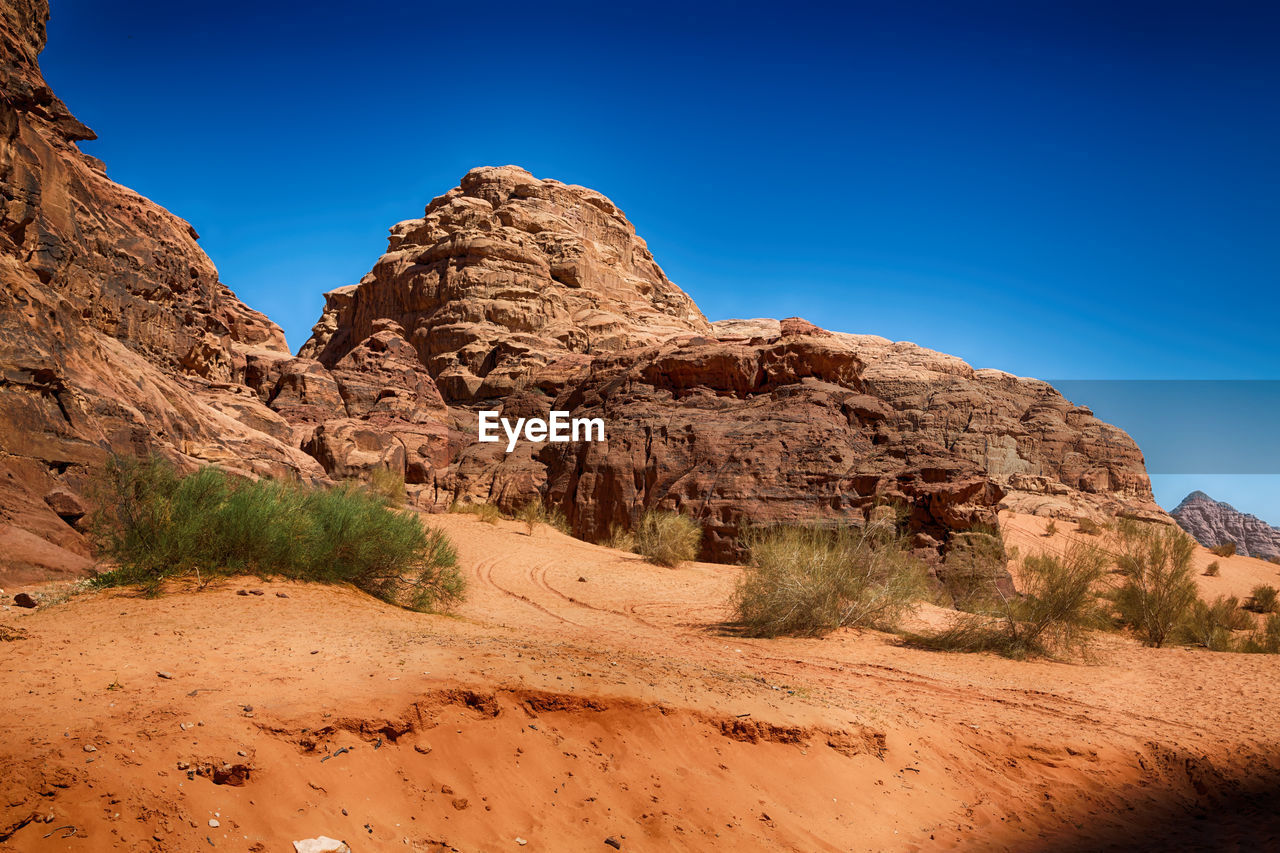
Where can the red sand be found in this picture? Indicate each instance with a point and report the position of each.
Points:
(564, 712)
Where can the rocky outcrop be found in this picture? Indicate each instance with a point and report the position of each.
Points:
(509, 282)
(115, 332)
(510, 293)
(1213, 523)
(526, 295)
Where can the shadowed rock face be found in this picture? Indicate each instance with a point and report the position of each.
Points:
(1213, 523)
(115, 332)
(510, 293)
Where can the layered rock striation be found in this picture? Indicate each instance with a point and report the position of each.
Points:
(1213, 523)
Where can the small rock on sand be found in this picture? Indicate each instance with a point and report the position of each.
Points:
(164, 675)
(322, 844)
(24, 599)
(613, 842)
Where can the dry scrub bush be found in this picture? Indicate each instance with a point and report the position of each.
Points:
(156, 524)
(535, 512)
(667, 538)
(387, 484)
(1263, 599)
(1088, 526)
(1226, 549)
(1157, 587)
(1211, 625)
(809, 581)
(1051, 529)
(486, 512)
(1213, 569)
(1053, 616)
(1263, 640)
(619, 538)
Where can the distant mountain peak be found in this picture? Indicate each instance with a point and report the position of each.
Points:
(1213, 523)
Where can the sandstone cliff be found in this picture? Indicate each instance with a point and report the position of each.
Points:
(1214, 523)
(115, 332)
(510, 293)
(525, 295)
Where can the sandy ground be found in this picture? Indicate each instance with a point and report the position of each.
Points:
(582, 695)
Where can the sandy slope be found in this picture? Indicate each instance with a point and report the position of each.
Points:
(564, 712)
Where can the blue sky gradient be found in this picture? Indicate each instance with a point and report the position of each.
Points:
(1084, 190)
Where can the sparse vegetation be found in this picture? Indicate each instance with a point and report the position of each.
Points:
(388, 485)
(1264, 599)
(1051, 529)
(1213, 569)
(1263, 640)
(1157, 588)
(1088, 526)
(667, 538)
(156, 524)
(534, 512)
(486, 512)
(976, 569)
(809, 581)
(620, 538)
(1211, 624)
(1226, 549)
(1054, 615)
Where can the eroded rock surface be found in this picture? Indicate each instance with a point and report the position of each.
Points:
(1213, 523)
(115, 332)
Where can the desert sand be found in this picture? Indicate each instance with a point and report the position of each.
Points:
(581, 695)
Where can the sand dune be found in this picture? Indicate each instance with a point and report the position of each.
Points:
(581, 695)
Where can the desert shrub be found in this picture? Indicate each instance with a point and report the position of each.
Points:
(1213, 569)
(1263, 599)
(619, 538)
(1263, 640)
(975, 573)
(1051, 529)
(486, 512)
(1054, 615)
(388, 485)
(1088, 526)
(1157, 587)
(1210, 624)
(1226, 549)
(667, 538)
(809, 581)
(155, 524)
(535, 512)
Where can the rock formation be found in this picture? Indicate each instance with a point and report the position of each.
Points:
(1213, 523)
(115, 332)
(526, 295)
(510, 293)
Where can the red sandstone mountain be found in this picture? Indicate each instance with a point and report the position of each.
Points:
(510, 293)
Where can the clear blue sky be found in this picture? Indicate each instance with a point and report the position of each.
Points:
(1082, 190)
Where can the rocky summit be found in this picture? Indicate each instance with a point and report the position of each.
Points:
(510, 293)
(1213, 523)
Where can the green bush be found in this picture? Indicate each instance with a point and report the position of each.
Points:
(1054, 615)
(809, 581)
(619, 538)
(155, 524)
(1157, 588)
(1226, 549)
(1263, 599)
(667, 538)
(1211, 625)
